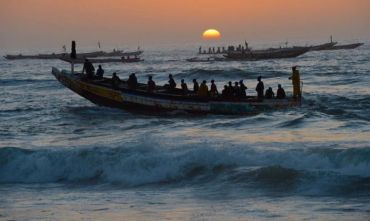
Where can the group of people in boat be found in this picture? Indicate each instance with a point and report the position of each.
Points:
(236, 90)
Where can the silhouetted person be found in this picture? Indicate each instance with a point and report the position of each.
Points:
(213, 91)
(260, 88)
(89, 69)
(171, 82)
(132, 81)
(230, 92)
(225, 92)
(184, 87)
(196, 85)
(151, 84)
(296, 81)
(280, 93)
(269, 94)
(236, 89)
(100, 72)
(242, 89)
(116, 81)
(203, 89)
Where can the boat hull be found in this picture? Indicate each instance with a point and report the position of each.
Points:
(157, 103)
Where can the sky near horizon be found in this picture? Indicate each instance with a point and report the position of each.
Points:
(150, 23)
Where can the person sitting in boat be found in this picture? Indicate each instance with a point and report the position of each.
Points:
(171, 82)
(116, 81)
(100, 72)
(269, 94)
(296, 81)
(242, 87)
(236, 89)
(151, 84)
(132, 81)
(196, 86)
(225, 92)
(280, 93)
(213, 92)
(184, 87)
(260, 88)
(89, 69)
(230, 88)
(203, 89)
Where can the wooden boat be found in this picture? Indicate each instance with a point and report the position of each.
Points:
(326, 46)
(80, 60)
(94, 54)
(346, 47)
(209, 59)
(102, 93)
(273, 53)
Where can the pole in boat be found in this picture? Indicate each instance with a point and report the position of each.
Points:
(73, 56)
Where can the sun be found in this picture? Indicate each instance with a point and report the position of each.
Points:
(211, 34)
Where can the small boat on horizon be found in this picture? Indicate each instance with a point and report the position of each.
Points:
(272, 53)
(94, 54)
(101, 92)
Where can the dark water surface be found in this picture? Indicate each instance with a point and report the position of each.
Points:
(64, 158)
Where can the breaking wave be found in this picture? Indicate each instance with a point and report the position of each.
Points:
(317, 168)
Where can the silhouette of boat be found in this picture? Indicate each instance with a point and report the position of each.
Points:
(272, 53)
(102, 93)
(326, 46)
(346, 47)
(114, 53)
(81, 60)
(209, 59)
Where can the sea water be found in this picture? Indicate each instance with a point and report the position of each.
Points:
(64, 158)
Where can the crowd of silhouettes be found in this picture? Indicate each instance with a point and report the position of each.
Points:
(236, 90)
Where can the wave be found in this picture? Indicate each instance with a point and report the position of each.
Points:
(317, 168)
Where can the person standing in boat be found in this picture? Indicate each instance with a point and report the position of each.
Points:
(213, 92)
(242, 87)
(132, 81)
(184, 87)
(280, 93)
(89, 69)
(260, 88)
(100, 72)
(116, 81)
(269, 94)
(151, 84)
(196, 86)
(203, 89)
(171, 82)
(296, 81)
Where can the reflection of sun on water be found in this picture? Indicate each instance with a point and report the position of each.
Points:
(211, 34)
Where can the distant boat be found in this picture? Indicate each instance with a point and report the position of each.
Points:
(123, 59)
(209, 59)
(346, 47)
(272, 53)
(101, 92)
(326, 46)
(114, 53)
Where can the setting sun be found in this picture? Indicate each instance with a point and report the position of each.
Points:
(211, 34)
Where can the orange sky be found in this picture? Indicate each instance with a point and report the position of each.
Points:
(52, 23)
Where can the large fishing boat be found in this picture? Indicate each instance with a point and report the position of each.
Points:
(102, 92)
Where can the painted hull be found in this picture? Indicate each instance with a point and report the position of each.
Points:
(139, 100)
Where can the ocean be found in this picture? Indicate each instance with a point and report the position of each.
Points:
(64, 158)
